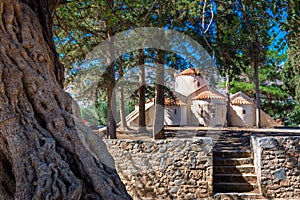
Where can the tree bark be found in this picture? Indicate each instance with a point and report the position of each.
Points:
(111, 108)
(142, 93)
(45, 150)
(124, 126)
(111, 100)
(158, 125)
(257, 92)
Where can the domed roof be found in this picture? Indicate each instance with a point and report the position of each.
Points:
(209, 94)
(189, 71)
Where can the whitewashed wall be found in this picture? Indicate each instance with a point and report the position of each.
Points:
(210, 113)
(187, 84)
(176, 115)
(245, 120)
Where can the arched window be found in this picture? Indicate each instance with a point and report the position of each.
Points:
(202, 113)
(198, 83)
(175, 111)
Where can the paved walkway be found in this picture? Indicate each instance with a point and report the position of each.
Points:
(215, 133)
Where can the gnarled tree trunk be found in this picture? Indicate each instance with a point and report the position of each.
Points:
(45, 150)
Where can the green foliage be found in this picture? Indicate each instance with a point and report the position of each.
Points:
(292, 117)
(291, 75)
(247, 88)
(89, 114)
(101, 112)
(288, 111)
(291, 70)
(231, 42)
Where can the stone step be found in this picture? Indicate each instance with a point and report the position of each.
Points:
(235, 178)
(238, 196)
(232, 153)
(239, 169)
(235, 187)
(232, 161)
(230, 144)
(230, 141)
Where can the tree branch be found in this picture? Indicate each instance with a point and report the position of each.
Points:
(204, 31)
(211, 19)
(150, 9)
(63, 2)
(117, 16)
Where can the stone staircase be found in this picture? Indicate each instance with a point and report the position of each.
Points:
(234, 172)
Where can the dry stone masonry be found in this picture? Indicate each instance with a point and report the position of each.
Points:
(183, 168)
(165, 169)
(277, 163)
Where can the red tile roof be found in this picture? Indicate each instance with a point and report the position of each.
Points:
(169, 102)
(172, 102)
(240, 98)
(199, 90)
(209, 94)
(189, 71)
(241, 101)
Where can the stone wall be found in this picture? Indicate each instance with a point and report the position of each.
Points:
(164, 169)
(277, 163)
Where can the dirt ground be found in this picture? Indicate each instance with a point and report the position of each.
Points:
(190, 131)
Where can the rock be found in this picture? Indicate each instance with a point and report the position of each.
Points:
(173, 190)
(267, 143)
(280, 174)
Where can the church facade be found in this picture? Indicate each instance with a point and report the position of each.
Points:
(197, 104)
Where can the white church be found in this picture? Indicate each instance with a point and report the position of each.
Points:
(197, 104)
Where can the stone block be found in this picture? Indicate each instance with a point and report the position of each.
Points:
(267, 143)
(280, 174)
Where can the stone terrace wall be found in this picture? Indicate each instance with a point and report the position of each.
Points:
(277, 162)
(164, 169)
